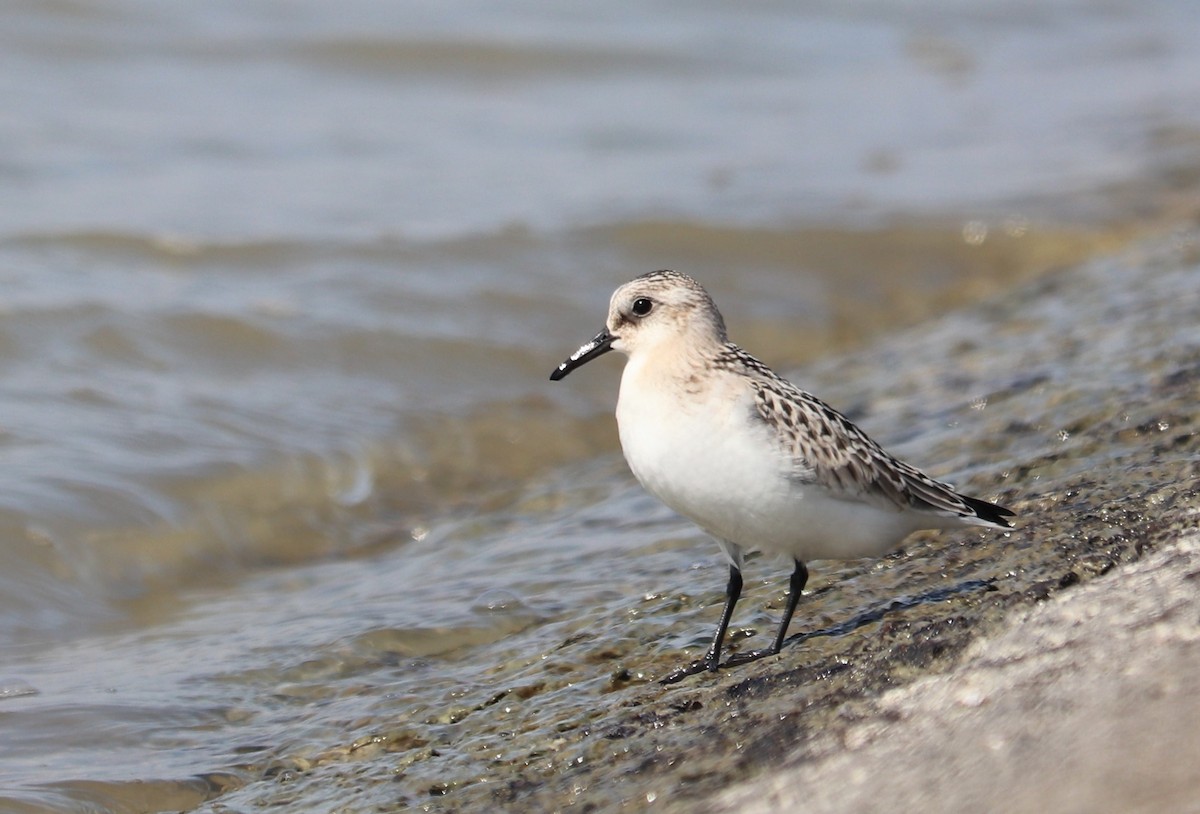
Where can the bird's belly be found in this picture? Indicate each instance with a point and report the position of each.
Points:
(734, 482)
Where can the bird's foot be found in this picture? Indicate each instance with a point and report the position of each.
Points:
(708, 663)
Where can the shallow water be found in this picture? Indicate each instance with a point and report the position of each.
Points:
(280, 286)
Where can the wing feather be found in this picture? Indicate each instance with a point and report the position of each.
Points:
(827, 448)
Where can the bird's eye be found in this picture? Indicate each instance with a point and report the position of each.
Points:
(642, 306)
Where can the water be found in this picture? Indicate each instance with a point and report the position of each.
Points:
(281, 284)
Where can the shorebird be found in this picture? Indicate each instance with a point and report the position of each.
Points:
(750, 458)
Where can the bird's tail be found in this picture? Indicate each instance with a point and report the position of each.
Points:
(990, 513)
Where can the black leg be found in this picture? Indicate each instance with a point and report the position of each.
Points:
(733, 590)
(795, 586)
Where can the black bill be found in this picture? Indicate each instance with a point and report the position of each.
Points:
(600, 345)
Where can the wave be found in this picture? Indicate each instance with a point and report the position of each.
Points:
(136, 544)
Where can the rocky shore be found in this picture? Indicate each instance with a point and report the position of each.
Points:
(1088, 700)
(1060, 672)
(1049, 668)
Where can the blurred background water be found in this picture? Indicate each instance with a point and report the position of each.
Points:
(281, 284)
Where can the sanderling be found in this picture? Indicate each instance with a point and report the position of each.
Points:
(749, 457)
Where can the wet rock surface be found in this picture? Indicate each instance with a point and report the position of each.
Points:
(1071, 400)
(1090, 702)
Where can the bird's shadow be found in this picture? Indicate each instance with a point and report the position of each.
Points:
(874, 614)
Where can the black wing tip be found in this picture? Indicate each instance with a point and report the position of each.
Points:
(990, 512)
